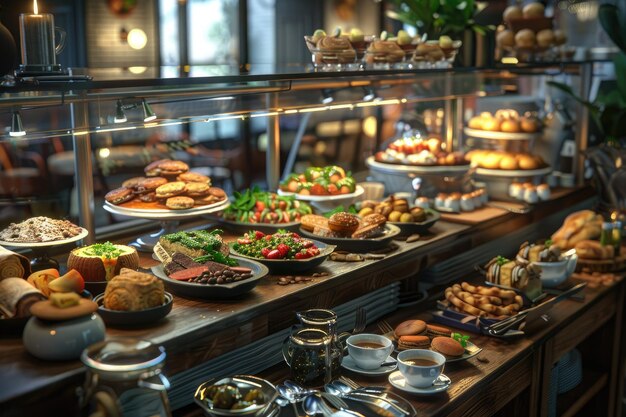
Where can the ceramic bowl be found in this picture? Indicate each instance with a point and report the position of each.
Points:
(368, 357)
(420, 376)
(145, 317)
(244, 383)
(554, 274)
(62, 340)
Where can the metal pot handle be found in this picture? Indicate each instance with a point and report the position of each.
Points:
(163, 386)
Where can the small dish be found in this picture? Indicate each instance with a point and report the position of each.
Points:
(554, 274)
(358, 245)
(242, 382)
(350, 365)
(292, 265)
(116, 318)
(205, 291)
(419, 227)
(471, 350)
(441, 384)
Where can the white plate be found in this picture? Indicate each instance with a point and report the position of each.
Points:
(323, 198)
(471, 350)
(391, 168)
(513, 172)
(487, 134)
(398, 381)
(349, 364)
(162, 214)
(79, 236)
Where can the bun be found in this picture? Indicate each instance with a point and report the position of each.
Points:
(447, 346)
(344, 223)
(592, 249)
(491, 160)
(133, 291)
(475, 122)
(508, 162)
(578, 226)
(527, 162)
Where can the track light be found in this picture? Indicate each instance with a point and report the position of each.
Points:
(369, 94)
(327, 97)
(148, 113)
(17, 129)
(120, 116)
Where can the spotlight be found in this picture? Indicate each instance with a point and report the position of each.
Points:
(148, 113)
(369, 94)
(327, 96)
(16, 125)
(120, 116)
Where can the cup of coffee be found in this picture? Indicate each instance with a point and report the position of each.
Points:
(420, 367)
(369, 351)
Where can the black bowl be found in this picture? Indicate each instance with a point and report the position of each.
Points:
(116, 318)
(358, 245)
(289, 266)
(421, 227)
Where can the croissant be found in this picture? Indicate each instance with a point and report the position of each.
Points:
(384, 51)
(133, 291)
(330, 43)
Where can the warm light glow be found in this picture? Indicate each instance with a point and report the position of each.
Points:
(312, 109)
(370, 125)
(273, 113)
(509, 60)
(137, 70)
(104, 152)
(291, 111)
(35, 8)
(116, 129)
(137, 39)
(80, 132)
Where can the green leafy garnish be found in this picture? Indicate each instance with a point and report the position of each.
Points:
(216, 257)
(339, 209)
(548, 243)
(501, 260)
(462, 339)
(106, 249)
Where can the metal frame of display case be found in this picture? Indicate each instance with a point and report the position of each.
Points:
(114, 85)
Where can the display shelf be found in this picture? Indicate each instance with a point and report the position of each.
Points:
(571, 402)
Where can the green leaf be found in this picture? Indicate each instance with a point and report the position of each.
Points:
(620, 72)
(613, 23)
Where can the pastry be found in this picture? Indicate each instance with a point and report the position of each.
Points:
(217, 192)
(505, 39)
(481, 301)
(41, 279)
(530, 195)
(529, 124)
(193, 177)
(440, 200)
(491, 124)
(545, 38)
(13, 264)
(384, 51)
(179, 203)
(374, 218)
(324, 231)
(467, 202)
(101, 261)
(149, 185)
(512, 12)
(578, 226)
(508, 162)
(171, 168)
(510, 126)
(17, 296)
(434, 331)
(40, 229)
(413, 342)
(515, 274)
(543, 191)
(475, 122)
(171, 189)
(539, 252)
(525, 38)
(367, 232)
(334, 49)
(410, 327)
(343, 223)
(119, 195)
(516, 190)
(533, 10)
(527, 162)
(423, 202)
(491, 160)
(447, 346)
(207, 199)
(152, 169)
(592, 249)
(133, 291)
(453, 203)
(310, 221)
(197, 189)
(148, 197)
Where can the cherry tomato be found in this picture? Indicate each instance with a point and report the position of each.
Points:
(274, 254)
(283, 249)
(307, 243)
(265, 252)
(301, 255)
(258, 234)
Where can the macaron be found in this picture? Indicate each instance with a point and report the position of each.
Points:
(447, 346)
(434, 331)
(410, 328)
(413, 342)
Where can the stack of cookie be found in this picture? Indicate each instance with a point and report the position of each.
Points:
(417, 334)
(169, 182)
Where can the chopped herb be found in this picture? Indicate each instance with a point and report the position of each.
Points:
(501, 260)
(462, 339)
(106, 250)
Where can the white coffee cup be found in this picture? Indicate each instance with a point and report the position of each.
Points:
(369, 357)
(420, 376)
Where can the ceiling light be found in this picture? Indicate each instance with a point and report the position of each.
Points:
(120, 116)
(17, 129)
(137, 39)
(148, 113)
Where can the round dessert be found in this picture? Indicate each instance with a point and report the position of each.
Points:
(374, 218)
(413, 342)
(180, 203)
(102, 261)
(119, 195)
(217, 192)
(197, 189)
(410, 327)
(171, 189)
(171, 168)
(149, 185)
(193, 177)
(343, 222)
(447, 346)
(152, 169)
(434, 331)
(133, 182)
(148, 197)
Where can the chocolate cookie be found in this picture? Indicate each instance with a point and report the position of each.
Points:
(148, 185)
(172, 168)
(152, 169)
(193, 177)
(133, 182)
(179, 203)
(170, 189)
(119, 195)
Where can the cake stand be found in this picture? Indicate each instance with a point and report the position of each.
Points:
(325, 203)
(168, 219)
(41, 259)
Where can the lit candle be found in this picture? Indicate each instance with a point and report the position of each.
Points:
(37, 38)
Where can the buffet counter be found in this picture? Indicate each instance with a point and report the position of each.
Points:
(197, 331)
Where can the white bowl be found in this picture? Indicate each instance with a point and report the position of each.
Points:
(421, 376)
(554, 274)
(325, 203)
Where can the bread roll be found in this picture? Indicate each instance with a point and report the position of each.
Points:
(133, 291)
(592, 249)
(17, 296)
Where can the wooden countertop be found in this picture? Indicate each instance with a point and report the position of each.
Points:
(263, 311)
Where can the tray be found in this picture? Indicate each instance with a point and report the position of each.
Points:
(164, 214)
(78, 237)
(396, 168)
(488, 134)
(513, 173)
(204, 291)
(358, 245)
(293, 265)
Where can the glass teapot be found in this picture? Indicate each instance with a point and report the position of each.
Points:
(124, 379)
(309, 355)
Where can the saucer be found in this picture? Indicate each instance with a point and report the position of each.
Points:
(442, 383)
(349, 364)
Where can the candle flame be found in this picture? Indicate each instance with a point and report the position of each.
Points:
(35, 8)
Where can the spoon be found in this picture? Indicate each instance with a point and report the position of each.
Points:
(288, 395)
(370, 395)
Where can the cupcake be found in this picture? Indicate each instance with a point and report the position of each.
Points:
(453, 203)
(440, 200)
(530, 194)
(543, 191)
(422, 202)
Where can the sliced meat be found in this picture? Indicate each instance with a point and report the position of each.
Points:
(184, 260)
(172, 267)
(214, 266)
(187, 274)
